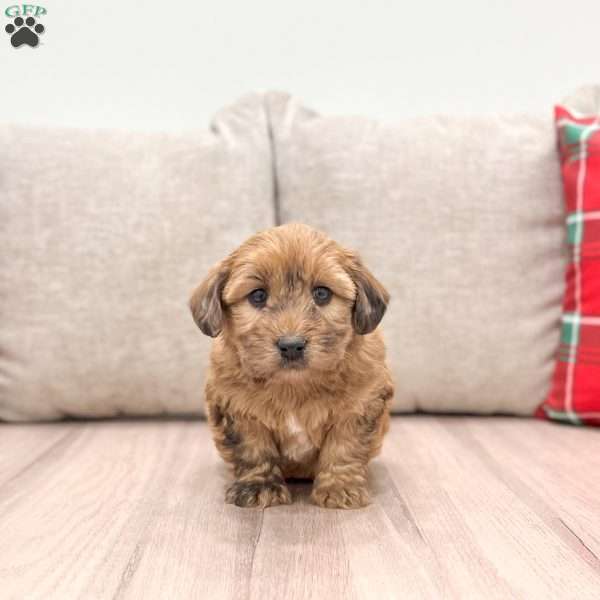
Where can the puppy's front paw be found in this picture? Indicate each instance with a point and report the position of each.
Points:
(341, 496)
(249, 494)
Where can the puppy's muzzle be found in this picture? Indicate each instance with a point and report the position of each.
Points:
(291, 347)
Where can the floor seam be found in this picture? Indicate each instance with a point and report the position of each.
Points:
(47, 452)
(579, 539)
(254, 547)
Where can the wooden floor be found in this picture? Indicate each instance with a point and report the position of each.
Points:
(476, 508)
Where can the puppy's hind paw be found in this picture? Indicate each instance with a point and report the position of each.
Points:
(250, 494)
(341, 496)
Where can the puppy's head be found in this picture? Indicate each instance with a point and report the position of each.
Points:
(289, 302)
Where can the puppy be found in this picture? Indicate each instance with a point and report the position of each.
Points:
(297, 384)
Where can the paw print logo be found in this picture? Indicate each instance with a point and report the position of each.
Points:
(24, 32)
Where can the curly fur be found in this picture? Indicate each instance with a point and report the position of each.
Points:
(324, 420)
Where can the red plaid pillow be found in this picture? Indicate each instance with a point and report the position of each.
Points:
(575, 393)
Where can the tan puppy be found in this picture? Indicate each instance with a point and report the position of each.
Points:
(297, 385)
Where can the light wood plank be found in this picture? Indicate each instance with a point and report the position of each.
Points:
(21, 447)
(463, 508)
(556, 469)
(495, 541)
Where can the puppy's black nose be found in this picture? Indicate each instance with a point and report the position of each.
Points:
(291, 347)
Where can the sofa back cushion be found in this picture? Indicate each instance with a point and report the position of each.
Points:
(462, 220)
(103, 237)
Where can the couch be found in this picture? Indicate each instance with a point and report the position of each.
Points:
(109, 482)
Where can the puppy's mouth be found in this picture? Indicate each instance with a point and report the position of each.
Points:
(294, 369)
(293, 365)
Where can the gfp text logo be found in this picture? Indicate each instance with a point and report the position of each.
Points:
(24, 29)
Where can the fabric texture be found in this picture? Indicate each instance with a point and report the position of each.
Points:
(461, 219)
(575, 393)
(103, 237)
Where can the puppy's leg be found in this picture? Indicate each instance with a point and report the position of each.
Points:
(247, 445)
(341, 480)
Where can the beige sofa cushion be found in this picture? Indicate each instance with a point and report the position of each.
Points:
(103, 236)
(462, 220)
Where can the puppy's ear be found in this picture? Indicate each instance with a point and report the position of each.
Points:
(206, 302)
(371, 298)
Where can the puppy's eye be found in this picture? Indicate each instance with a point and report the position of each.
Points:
(322, 295)
(258, 298)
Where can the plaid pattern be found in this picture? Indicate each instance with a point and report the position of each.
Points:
(575, 393)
